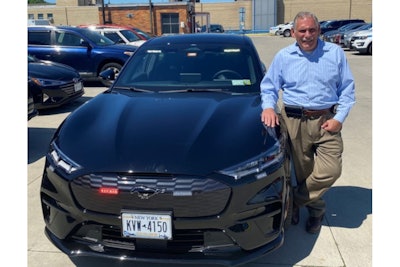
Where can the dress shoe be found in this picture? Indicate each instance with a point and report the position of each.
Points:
(295, 214)
(314, 224)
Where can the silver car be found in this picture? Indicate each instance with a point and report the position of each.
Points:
(348, 36)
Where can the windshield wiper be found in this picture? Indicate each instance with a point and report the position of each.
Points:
(133, 89)
(197, 90)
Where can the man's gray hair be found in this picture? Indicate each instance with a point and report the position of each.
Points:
(305, 14)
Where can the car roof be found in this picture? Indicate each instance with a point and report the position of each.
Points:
(202, 38)
(52, 27)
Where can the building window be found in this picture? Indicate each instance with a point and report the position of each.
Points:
(170, 23)
(40, 16)
(49, 16)
(31, 16)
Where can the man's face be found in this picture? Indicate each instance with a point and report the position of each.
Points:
(306, 34)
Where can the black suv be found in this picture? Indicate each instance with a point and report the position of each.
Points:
(336, 24)
(87, 51)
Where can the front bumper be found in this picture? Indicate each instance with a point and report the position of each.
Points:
(249, 224)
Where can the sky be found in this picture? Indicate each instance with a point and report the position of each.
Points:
(144, 1)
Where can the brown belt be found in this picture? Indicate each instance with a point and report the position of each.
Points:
(316, 113)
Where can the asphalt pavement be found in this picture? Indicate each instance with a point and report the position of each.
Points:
(345, 239)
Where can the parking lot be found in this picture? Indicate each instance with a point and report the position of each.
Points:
(346, 235)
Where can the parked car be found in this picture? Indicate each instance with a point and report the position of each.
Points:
(347, 36)
(119, 35)
(363, 42)
(32, 111)
(215, 28)
(274, 29)
(285, 29)
(86, 51)
(334, 36)
(52, 84)
(336, 24)
(171, 163)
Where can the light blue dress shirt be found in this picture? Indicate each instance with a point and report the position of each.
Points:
(315, 80)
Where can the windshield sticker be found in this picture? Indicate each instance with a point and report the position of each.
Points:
(241, 82)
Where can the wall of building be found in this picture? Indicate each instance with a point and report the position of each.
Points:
(325, 9)
(67, 15)
(227, 14)
(139, 16)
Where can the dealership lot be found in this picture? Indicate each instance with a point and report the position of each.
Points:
(346, 235)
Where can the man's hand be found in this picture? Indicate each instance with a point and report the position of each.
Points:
(269, 117)
(332, 125)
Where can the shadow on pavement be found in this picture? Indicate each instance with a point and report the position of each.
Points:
(347, 206)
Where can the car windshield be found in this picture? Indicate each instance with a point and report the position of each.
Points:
(129, 35)
(191, 67)
(96, 37)
(146, 35)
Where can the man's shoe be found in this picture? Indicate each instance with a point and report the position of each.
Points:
(295, 214)
(314, 224)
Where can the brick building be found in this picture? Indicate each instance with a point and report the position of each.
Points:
(180, 16)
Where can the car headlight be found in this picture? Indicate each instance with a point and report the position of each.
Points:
(260, 165)
(45, 82)
(61, 161)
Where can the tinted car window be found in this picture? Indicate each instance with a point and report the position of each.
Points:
(39, 38)
(113, 36)
(207, 65)
(129, 35)
(68, 39)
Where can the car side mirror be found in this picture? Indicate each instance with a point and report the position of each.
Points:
(107, 76)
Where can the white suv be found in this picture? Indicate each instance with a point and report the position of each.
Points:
(119, 35)
(285, 29)
(363, 42)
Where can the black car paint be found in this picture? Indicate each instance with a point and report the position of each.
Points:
(166, 141)
(61, 89)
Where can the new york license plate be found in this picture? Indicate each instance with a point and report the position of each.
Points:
(154, 225)
(78, 86)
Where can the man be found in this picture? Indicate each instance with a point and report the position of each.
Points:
(317, 95)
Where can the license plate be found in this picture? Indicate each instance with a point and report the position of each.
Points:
(78, 86)
(150, 225)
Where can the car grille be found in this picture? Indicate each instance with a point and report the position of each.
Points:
(68, 88)
(186, 197)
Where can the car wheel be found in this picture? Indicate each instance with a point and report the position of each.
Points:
(369, 49)
(286, 33)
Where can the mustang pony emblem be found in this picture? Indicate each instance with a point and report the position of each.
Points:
(145, 192)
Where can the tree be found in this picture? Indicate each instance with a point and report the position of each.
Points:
(35, 2)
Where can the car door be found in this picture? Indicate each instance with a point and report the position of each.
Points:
(74, 50)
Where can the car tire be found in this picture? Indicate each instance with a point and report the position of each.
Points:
(369, 50)
(286, 33)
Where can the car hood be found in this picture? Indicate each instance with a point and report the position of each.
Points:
(195, 133)
(52, 71)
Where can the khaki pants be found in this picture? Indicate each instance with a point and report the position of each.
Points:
(317, 158)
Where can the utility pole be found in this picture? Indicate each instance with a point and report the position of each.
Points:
(151, 17)
(103, 11)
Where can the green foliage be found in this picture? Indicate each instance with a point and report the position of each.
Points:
(35, 2)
